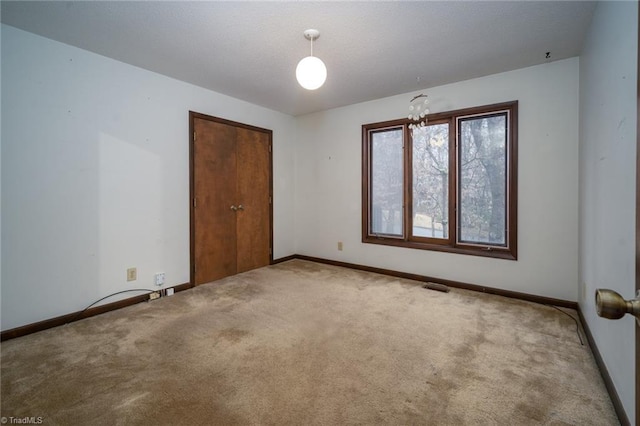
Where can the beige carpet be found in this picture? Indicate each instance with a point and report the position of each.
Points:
(303, 343)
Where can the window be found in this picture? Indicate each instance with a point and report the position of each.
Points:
(449, 186)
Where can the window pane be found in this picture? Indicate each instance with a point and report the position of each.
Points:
(482, 184)
(387, 176)
(431, 181)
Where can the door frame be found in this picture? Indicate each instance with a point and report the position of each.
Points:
(192, 117)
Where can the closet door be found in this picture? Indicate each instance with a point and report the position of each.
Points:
(254, 183)
(214, 172)
(231, 191)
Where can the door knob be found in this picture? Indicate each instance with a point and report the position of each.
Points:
(240, 207)
(611, 305)
(234, 208)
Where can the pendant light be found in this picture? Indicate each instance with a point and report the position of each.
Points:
(311, 71)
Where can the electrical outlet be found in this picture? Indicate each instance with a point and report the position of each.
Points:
(340, 245)
(132, 274)
(153, 296)
(160, 278)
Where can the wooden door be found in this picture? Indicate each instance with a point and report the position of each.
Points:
(231, 194)
(254, 181)
(214, 174)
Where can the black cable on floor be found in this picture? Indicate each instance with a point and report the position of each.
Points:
(77, 317)
(574, 320)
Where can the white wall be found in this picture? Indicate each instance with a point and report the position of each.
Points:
(95, 177)
(608, 118)
(328, 174)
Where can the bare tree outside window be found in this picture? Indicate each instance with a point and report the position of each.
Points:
(387, 175)
(482, 182)
(431, 181)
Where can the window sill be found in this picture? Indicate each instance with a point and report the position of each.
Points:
(496, 253)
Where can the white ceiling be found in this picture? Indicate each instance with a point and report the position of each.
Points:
(249, 50)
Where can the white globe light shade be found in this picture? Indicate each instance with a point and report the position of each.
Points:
(311, 73)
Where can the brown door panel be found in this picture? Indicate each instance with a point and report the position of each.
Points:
(254, 165)
(215, 188)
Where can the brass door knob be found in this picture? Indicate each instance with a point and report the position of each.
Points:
(611, 305)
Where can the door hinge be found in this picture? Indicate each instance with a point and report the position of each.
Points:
(194, 202)
(269, 148)
(269, 200)
(194, 136)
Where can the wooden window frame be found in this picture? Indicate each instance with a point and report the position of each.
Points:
(450, 244)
